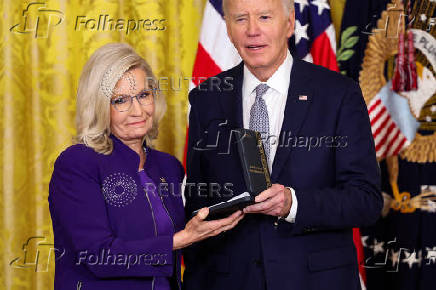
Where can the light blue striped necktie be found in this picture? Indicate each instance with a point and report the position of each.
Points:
(259, 120)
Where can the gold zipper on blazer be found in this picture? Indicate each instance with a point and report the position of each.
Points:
(152, 213)
(155, 228)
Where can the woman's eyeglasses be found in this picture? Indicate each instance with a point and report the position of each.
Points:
(123, 103)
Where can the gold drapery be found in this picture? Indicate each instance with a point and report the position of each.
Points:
(44, 47)
(337, 10)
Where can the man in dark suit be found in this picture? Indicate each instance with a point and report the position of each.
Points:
(320, 153)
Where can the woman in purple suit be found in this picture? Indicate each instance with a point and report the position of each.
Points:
(115, 202)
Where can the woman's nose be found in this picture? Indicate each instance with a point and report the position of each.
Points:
(136, 107)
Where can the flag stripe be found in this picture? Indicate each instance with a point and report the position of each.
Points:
(385, 136)
(215, 40)
(402, 145)
(374, 110)
(388, 138)
(323, 54)
(379, 115)
(374, 105)
(360, 255)
(218, 5)
(391, 138)
(382, 124)
(205, 67)
(331, 34)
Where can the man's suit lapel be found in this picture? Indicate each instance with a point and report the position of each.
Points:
(231, 101)
(297, 105)
(295, 111)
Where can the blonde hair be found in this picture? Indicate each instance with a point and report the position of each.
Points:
(288, 5)
(99, 76)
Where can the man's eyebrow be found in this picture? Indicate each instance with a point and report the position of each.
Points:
(237, 15)
(269, 11)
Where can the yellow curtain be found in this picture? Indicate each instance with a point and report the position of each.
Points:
(44, 47)
(337, 10)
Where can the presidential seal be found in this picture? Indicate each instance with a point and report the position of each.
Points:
(403, 118)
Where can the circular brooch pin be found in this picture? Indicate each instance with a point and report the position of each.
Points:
(119, 189)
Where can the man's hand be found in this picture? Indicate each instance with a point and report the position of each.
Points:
(275, 201)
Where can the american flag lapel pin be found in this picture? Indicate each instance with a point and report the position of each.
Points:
(302, 97)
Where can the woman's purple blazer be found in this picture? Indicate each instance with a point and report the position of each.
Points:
(104, 227)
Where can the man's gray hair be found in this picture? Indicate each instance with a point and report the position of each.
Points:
(288, 5)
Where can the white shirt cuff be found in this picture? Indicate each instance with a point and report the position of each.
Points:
(293, 212)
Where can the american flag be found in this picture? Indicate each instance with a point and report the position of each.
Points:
(215, 52)
(392, 123)
(315, 41)
(388, 138)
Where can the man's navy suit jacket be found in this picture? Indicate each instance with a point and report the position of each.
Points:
(336, 180)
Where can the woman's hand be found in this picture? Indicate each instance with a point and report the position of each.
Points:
(198, 229)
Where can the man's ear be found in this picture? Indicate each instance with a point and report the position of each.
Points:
(291, 21)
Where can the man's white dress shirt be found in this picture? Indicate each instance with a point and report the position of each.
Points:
(275, 100)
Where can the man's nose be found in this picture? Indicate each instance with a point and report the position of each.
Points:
(253, 27)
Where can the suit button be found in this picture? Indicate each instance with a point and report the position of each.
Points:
(309, 229)
(257, 262)
(276, 224)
